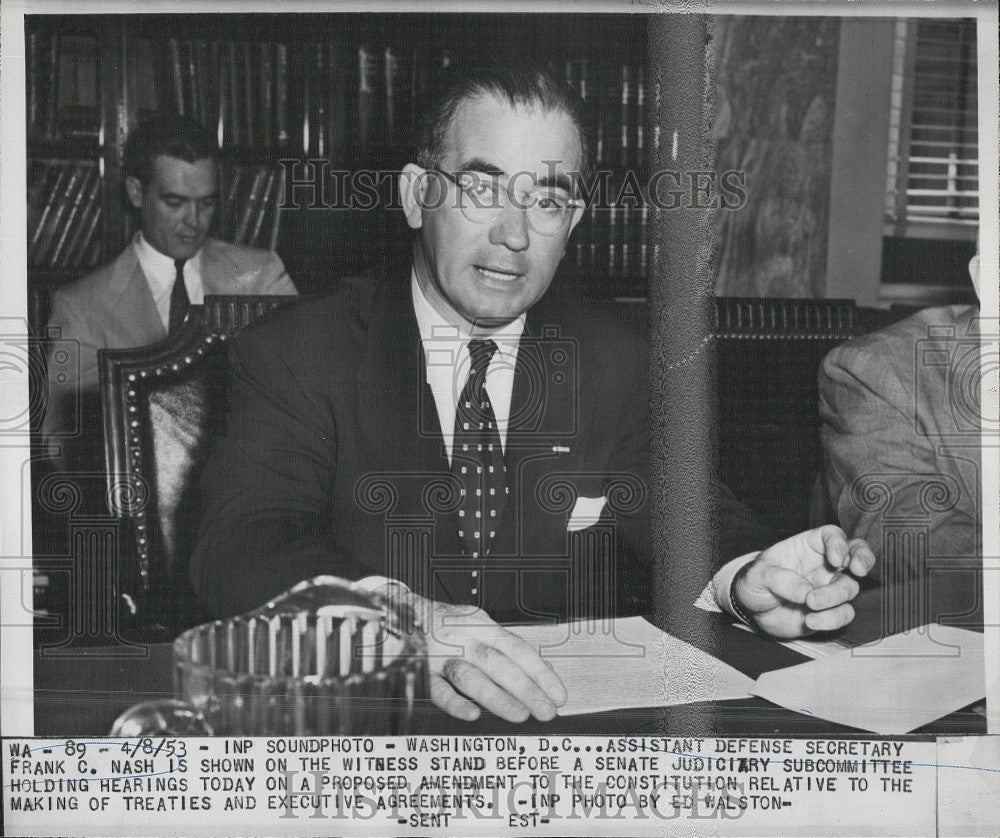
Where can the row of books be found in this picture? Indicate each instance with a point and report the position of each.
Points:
(329, 99)
(251, 214)
(340, 99)
(610, 245)
(64, 214)
(65, 205)
(357, 100)
(239, 87)
(62, 92)
(616, 97)
(321, 99)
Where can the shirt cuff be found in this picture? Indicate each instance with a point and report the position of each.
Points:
(398, 596)
(379, 584)
(718, 594)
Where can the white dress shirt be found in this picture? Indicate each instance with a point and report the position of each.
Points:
(446, 353)
(160, 273)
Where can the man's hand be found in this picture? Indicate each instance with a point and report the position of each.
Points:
(801, 585)
(473, 662)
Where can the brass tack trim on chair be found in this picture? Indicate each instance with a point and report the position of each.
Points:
(126, 379)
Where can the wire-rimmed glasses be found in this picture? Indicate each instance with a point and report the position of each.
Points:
(484, 196)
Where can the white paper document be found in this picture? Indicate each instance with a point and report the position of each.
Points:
(609, 665)
(893, 686)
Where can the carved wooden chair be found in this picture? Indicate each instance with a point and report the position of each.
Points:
(161, 404)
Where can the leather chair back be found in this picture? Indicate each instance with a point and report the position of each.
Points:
(161, 404)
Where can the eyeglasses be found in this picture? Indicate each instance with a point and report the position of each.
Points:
(483, 197)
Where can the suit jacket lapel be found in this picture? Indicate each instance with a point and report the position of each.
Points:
(400, 427)
(542, 416)
(131, 302)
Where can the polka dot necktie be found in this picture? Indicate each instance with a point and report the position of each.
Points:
(179, 300)
(477, 457)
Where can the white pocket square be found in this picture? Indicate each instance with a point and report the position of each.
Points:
(586, 512)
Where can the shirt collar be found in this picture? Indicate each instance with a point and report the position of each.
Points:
(433, 326)
(162, 264)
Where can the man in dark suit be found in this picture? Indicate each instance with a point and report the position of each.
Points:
(171, 178)
(466, 437)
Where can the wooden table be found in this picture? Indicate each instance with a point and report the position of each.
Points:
(82, 693)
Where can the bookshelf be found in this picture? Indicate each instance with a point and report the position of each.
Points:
(296, 88)
(68, 80)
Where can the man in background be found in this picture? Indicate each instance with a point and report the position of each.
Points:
(171, 179)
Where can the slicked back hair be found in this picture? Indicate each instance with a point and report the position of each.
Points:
(167, 134)
(520, 86)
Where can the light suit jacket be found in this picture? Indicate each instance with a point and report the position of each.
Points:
(113, 308)
(900, 410)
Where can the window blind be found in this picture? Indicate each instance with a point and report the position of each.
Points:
(933, 171)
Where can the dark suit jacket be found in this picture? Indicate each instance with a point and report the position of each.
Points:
(332, 461)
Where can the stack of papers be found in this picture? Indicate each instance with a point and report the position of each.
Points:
(890, 687)
(893, 686)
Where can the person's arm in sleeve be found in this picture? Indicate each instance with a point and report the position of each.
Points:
(800, 585)
(874, 454)
(275, 279)
(788, 588)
